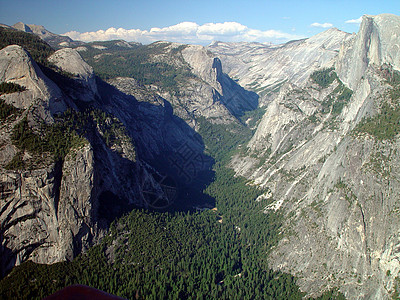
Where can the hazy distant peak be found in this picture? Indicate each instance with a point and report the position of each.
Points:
(21, 26)
(55, 40)
(32, 28)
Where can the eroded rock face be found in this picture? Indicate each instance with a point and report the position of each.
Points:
(52, 39)
(70, 61)
(59, 208)
(337, 188)
(16, 66)
(375, 44)
(53, 213)
(45, 212)
(204, 91)
(226, 94)
(264, 68)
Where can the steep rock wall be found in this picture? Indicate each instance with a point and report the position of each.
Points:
(336, 186)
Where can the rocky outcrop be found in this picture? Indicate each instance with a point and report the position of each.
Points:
(55, 40)
(375, 44)
(69, 60)
(202, 89)
(47, 214)
(224, 90)
(54, 213)
(41, 94)
(54, 209)
(36, 29)
(265, 68)
(336, 186)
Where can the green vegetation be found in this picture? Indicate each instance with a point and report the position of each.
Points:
(380, 163)
(10, 87)
(213, 254)
(57, 139)
(161, 256)
(386, 124)
(342, 95)
(110, 128)
(383, 126)
(343, 188)
(221, 140)
(393, 79)
(336, 100)
(39, 49)
(25, 139)
(138, 62)
(252, 118)
(7, 110)
(68, 132)
(324, 77)
(17, 163)
(147, 255)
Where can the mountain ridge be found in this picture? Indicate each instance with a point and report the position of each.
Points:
(321, 169)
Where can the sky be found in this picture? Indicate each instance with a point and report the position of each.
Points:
(190, 21)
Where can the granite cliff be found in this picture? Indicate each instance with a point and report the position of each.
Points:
(197, 88)
(56, 206)
(265, 68)
(326, 151)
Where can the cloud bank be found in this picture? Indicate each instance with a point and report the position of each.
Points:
(323, 25)
(354, 21)
(188, 32)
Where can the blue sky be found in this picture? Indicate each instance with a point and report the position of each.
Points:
(193, 21)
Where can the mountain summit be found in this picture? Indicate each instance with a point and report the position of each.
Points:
(54, 40)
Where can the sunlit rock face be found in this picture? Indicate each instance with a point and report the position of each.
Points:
(16, 66)
(69, 60)
(264, 68)
(376, 43)
(337, 188)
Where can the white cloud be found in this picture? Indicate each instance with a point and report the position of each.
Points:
(227, 28)
(354, 21)
(323, 25)
(188, 32)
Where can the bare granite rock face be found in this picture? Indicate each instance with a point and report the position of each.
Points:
(16, 66)
(265, 68)
(375, 44)
(55, 40)
(70, 61)
(224, 90)
(205, 92)
(130, 86)
(45, 217)
(337, 187)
